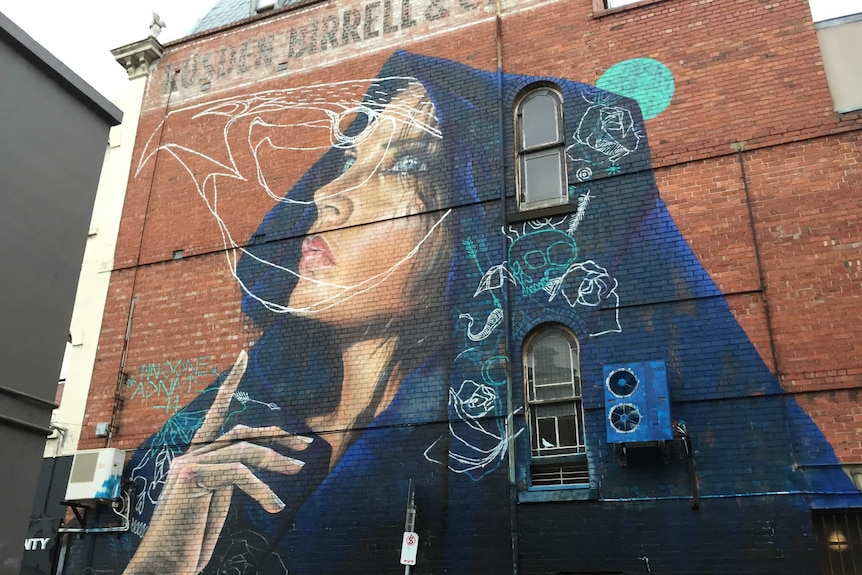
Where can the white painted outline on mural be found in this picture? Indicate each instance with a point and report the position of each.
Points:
(596, 288)
(231, 563)
(243, 397)
(607, 130)
(274, 101)
(495, 318)
(473, 411)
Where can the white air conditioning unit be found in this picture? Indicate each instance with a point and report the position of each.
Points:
(97, 474)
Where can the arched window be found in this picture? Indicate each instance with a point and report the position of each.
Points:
(541, 149)
(554, 404)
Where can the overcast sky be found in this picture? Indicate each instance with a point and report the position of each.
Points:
(81, 33)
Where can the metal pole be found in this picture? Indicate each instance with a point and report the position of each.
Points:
(410, 519)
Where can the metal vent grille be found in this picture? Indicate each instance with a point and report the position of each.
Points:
(550, 474)
(84, 467)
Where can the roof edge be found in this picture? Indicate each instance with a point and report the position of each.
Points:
(243, 21)
(40, 57)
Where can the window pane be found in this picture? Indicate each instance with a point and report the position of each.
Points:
(558, 391)
(543, 176)
(547, 431)
(568, 431)
(552, 369)
(540, 121)
(560, 409)
(565, 426)
(553, 361)
(557, 428)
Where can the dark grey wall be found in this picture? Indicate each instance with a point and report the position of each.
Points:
(42, 544)
(52, 141)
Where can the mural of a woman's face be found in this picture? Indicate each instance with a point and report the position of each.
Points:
(364, 243)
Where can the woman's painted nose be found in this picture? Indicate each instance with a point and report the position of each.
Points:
(334, 206)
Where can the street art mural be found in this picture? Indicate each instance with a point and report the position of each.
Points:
(381, 283)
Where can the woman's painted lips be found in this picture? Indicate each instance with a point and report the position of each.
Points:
(315, 254)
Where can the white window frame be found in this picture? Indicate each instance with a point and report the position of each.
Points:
(555, 147)
(555, 465)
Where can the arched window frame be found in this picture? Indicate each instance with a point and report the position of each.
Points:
(555, 412)
(541, 150)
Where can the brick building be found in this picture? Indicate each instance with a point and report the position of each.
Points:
(585, 279)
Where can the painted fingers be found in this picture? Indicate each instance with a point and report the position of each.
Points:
(217, 414)
(268, 436)
(216, 469)
(216, 477)
(225, 461)
(250, 455)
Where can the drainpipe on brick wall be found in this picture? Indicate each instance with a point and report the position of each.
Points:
(507, 316)
(121, 373)
(739, 148)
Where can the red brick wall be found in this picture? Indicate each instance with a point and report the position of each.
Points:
(745, 71)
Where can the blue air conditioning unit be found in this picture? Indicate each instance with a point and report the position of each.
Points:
(637, 407)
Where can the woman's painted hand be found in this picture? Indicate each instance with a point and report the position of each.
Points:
(199, 487)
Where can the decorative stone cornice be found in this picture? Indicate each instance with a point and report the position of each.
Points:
(137, 57)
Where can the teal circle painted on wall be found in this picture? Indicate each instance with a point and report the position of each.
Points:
(643, 79)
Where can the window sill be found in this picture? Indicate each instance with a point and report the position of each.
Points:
(526, 214)
(599, 10)
(558, 493)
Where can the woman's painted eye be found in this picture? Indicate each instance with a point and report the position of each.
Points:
(348, 162)
(408, 164)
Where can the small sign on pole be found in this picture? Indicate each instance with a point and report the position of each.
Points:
(409, 545)
(410, 542)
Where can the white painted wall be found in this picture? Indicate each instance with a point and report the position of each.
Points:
(95, 273)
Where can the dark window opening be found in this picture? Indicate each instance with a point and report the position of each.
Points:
(839, 541)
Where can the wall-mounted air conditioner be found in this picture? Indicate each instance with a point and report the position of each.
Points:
(97, 474)
(637, 406)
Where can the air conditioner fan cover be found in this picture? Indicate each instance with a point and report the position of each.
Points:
(622, 382)
(624, 417)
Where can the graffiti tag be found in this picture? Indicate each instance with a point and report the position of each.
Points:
(164, 384)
